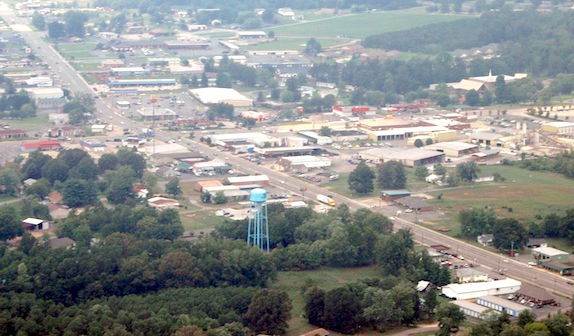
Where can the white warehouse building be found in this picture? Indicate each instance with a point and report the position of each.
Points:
(473, 290)
(213, 95)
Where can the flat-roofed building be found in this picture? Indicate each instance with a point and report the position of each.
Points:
(558, 127)
(150, 114)
(255, 34)
(472, 309)
(543, 253)
(413, 157)
(261, 180)
(501, 305)
(473, 290)
(214, 95)
(287, 151)
(123, 83)
(486, 138)
(128, 71)
(304, 162)
(454, 148)
(465, 275)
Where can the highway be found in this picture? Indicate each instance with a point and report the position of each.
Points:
(512, 268)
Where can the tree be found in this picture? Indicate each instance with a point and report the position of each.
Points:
(32, 168)
(439, 169)
(172, 187)
(472, 98)
(430, 302)
(269, 312)
(361, 179)
(428, 141)
(220, 198)
(419, 143)
(536, 329)
(501, 90)
(558, 325)
(449, 318)
(325, 131)
(313, 47)
(10, 226)
(223, 80)
(75, 23)
(38, 21)
(204, 80)
(509, 233)
(467, 171)
(56, 30)
(40, 189)
(421, 173)
(476, 221)
(120, 185)
(9, 182)
(133, 160)
(107, 162)
(342, 310)
(392, 176)
(512, 330)
(205, 197)
(315, 306)
(77, 192)
(526, 317)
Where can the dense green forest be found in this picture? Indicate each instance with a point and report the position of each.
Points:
(533, 42)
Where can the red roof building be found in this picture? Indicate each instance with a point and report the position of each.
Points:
(41, 145)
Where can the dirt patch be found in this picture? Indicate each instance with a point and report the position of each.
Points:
(325, 11)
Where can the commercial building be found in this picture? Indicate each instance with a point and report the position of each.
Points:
(391, 195)
(486, 138)
(501, 305)
(475, 290)
(454, 148)
(10, 134)
(413, 157)
(304, 162)
(558, 127)
(92, 145)
(535, 294)
(315, 138)
(287, 151)
(128, 71)
(544, 253)
(229, 140)
(214, 95)
(348, 135)
(246, 35)
(261, 180)
(48, 99)
(201, 185)
(407, 132)
(151, 114)
(185, 45)
(211, 168)
(472, 309)
(123, 83)
(41, 145)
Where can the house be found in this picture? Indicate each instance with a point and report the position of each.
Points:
(61, 243)
(422, 285)
(29, 181)
(35, 224)
(141, 190)
(163, 203)
(55, 197)
(58, 211)
(485, 239)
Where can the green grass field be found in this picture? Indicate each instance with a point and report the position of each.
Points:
(326, 278)
(293, 43)
(30, 122)
(77, 50)
(361, 25)
(200, 220)
(527, 193)
(341, 186)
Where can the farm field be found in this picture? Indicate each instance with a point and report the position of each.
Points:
(360, 25)
(523, 195)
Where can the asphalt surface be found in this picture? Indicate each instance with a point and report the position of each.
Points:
(551, 281)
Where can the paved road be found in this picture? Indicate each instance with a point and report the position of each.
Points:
(518, 270)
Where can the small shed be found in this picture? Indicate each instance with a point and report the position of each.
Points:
(35, 224)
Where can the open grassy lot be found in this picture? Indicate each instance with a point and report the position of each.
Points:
(360, 25)
(341, 186)
(199, 220)
(326, 278)
(294, 43)
(523, 195)
(29, 122)
(77, 50)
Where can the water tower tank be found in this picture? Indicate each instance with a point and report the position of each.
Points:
(258, 195)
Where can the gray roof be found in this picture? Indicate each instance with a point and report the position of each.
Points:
(412, 202)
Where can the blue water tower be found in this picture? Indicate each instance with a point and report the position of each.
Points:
(258, 229)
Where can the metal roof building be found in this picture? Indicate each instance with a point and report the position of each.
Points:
(473, 290)
(212, 95)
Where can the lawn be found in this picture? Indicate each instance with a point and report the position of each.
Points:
(77, 50)
(29, 122)
(361, 25)
(325, 278)
(200, 220)
(293, 43)
(523, 195)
